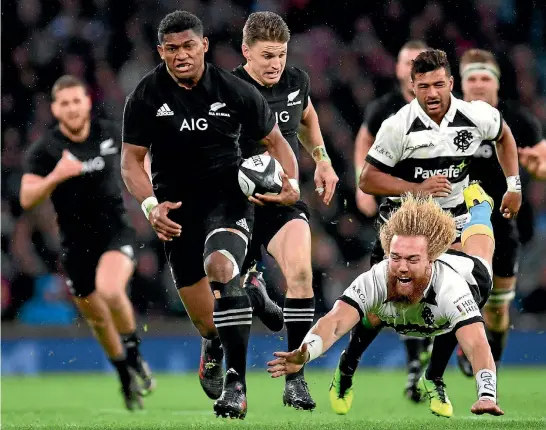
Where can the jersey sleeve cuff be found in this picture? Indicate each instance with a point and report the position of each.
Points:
(378, 164)
(352, 303)
(500, 128)
(468, 321)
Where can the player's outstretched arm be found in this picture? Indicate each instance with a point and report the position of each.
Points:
(533, 159)
(327, 331)
(474, 343)
(35, 188)
(311, 139)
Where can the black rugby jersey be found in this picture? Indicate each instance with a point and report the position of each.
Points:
(382, 108)
(485, 165)
(192, 134)
(90, 204)
(288, 98)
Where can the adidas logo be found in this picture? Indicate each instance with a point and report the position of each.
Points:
(291, 98)
(243, 224)
(164, 110)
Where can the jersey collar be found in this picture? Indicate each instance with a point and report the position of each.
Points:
(429, 295)
(448, 117)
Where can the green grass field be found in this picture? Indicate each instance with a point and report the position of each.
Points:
(92, 402)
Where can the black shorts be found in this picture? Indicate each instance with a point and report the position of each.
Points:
(460, 213)
(80, 260)
(507, 246)
(199, 217)
(268, 220)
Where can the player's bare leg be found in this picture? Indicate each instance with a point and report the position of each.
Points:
(113, 273)
(95, 311)
(291, 248)
(199, 303)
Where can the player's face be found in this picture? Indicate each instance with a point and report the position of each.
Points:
(72, 108)
(184, 54)
(409, 268)
(432, 90)
(480, 86)
(266, 61)
(403, 66)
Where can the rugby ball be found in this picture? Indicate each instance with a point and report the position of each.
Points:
(260, 174)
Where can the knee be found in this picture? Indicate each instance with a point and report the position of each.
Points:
(219, 268)
(98, 322)
(299, 281)
(111, 294)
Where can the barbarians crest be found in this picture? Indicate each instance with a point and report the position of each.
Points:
(462, 140)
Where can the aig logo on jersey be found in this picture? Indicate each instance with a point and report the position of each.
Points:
(283, 116)
(93, 165)
(192, 124)
(291, 97)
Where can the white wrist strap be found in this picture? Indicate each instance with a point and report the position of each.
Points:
(148, 204)
(486, 381)
(294, 183)
(513, 184)
(314, 345)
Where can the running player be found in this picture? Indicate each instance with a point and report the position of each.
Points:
(188, 113)
(378, 111)
(427, 148)
(76, 163)
(422, 289)
(480, 77)
(284, 231)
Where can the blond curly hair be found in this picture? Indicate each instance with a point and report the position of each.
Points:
(420, 216)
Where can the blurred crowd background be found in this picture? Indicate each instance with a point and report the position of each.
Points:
(349, 49)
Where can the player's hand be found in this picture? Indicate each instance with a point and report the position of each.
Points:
(165, 228)
(287, 197)
(366, 203)
(533, 161)
(511, 203)
(325, 180)
(435, 186)
(67, 167)
(288, 362)
(486, 406)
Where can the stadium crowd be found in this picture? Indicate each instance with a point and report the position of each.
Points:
(350, 57)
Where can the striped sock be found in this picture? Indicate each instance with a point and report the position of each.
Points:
(298, 317)
(233, 319)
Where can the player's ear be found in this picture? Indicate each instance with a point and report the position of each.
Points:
(160, 52)
(205, 44)
(451, 80)
(54, 109)
(246, 51)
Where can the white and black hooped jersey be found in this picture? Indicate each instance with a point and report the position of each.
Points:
(411, 146)
(459, 287)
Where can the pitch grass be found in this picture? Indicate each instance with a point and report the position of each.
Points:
(89, 401)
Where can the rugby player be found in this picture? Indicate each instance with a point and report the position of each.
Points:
(188, 114)
(421, 289)
(284, 231)
(76, 163)
(417, 349)
(427, 148)
(480, 77)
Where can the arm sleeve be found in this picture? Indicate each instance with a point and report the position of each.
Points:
(363, 293)
(136, 122)
(488, 118)
(373, 117)
(387, 148)
(459, 307)
(38, 161)
(256, 117)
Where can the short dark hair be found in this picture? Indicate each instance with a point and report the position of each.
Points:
(66, 81)
(415, 44)
(177, 22)
(430, 60)
(266, 27)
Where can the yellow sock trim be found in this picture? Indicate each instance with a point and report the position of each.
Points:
(476, 229)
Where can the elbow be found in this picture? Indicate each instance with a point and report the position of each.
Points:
(364, 180)
(25, 201)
